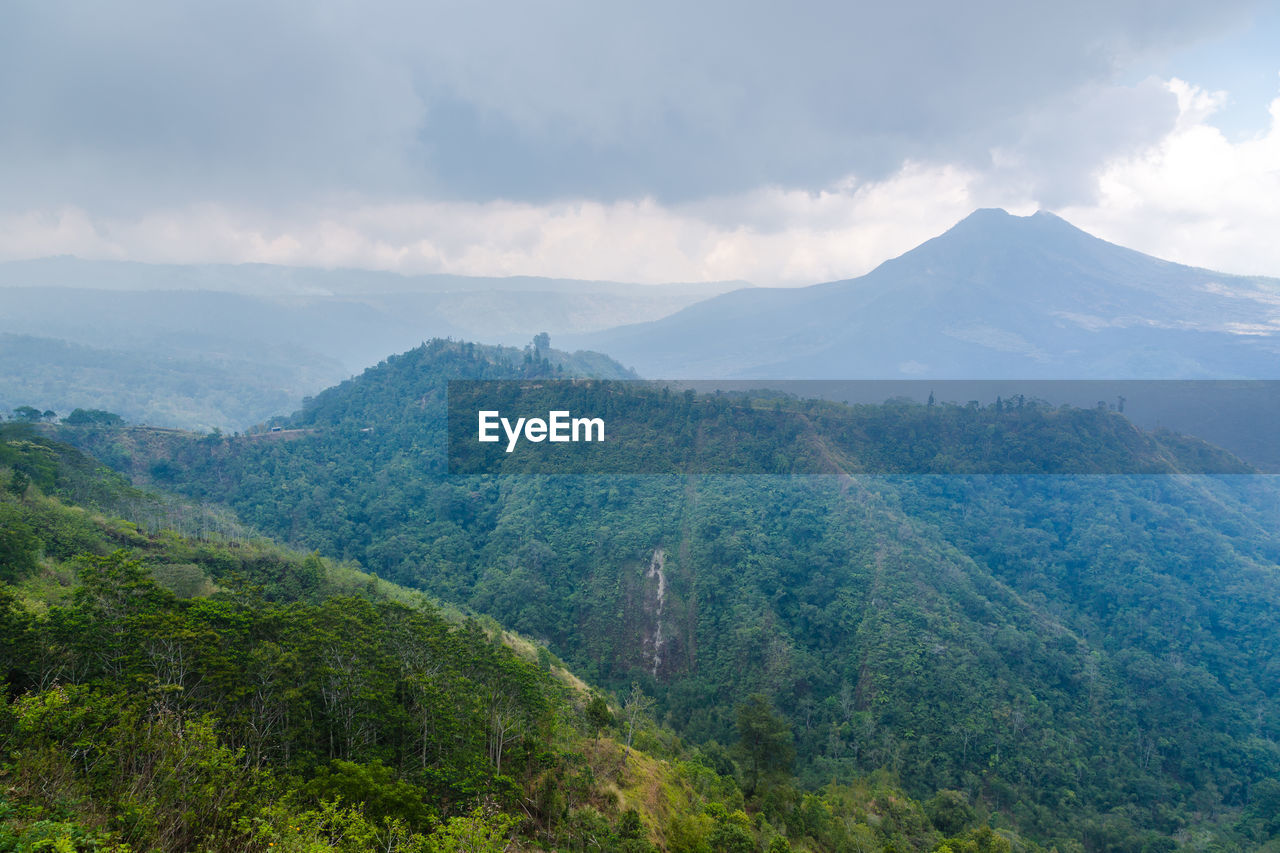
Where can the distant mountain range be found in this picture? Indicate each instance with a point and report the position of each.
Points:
(996, 296)
(170, 345)
(356, 317)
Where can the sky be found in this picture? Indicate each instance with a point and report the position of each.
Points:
(780, 144)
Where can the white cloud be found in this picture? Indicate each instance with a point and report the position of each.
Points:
(777, 237)
(1197, 197)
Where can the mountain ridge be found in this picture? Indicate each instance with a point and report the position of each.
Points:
(995, 296)
(211, 326)
(1075, 653)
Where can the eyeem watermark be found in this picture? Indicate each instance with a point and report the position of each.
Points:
(558, 426)
(849, 428)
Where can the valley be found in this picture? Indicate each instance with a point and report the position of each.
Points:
(992, 622)
(1046, 645)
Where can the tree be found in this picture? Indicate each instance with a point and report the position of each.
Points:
(731, 832)
(979, 840)
(19, 483)
(30, 414)
(598, 715)
(779, 845)
(950, 812)
(764, 741)
(1265, 806)
(478, 832)
(637, 703)
(19, 545)
(92, 417)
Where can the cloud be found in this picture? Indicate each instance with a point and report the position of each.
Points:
(647, 142)
(1055, 155)
(777, 236)
(1196, 196)
(124, 107)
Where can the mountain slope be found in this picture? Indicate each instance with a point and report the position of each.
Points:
(353, 316)
(1089, 657)
(174, 692)
(996, 296)
(192, 391)
(172, 343)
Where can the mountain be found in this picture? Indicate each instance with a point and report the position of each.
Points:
(352, 316)
(996, 296)
(204, 346)
(1089, 659)
(193, 391)
(173, 684)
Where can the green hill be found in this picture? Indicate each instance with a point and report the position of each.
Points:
(214, 691)
(1090, 659)
(230, 390)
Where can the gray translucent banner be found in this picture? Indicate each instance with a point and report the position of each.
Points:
(864, 427)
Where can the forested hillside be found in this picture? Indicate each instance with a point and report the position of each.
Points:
(227, 346)
(1090, 658)
(227, 391)
(215, 692)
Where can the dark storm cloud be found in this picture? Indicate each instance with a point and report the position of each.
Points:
(143, 104)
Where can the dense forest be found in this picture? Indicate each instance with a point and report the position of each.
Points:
(217, 692)
(653, 429)
(1087, 661)
(165, 389)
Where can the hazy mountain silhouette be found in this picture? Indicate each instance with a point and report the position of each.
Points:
(353, 317)
(995, 296)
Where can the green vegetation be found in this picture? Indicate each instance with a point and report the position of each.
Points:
(179, 693)
(225, 388)
(654, 431)
(93, 417)
(1087, 660)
